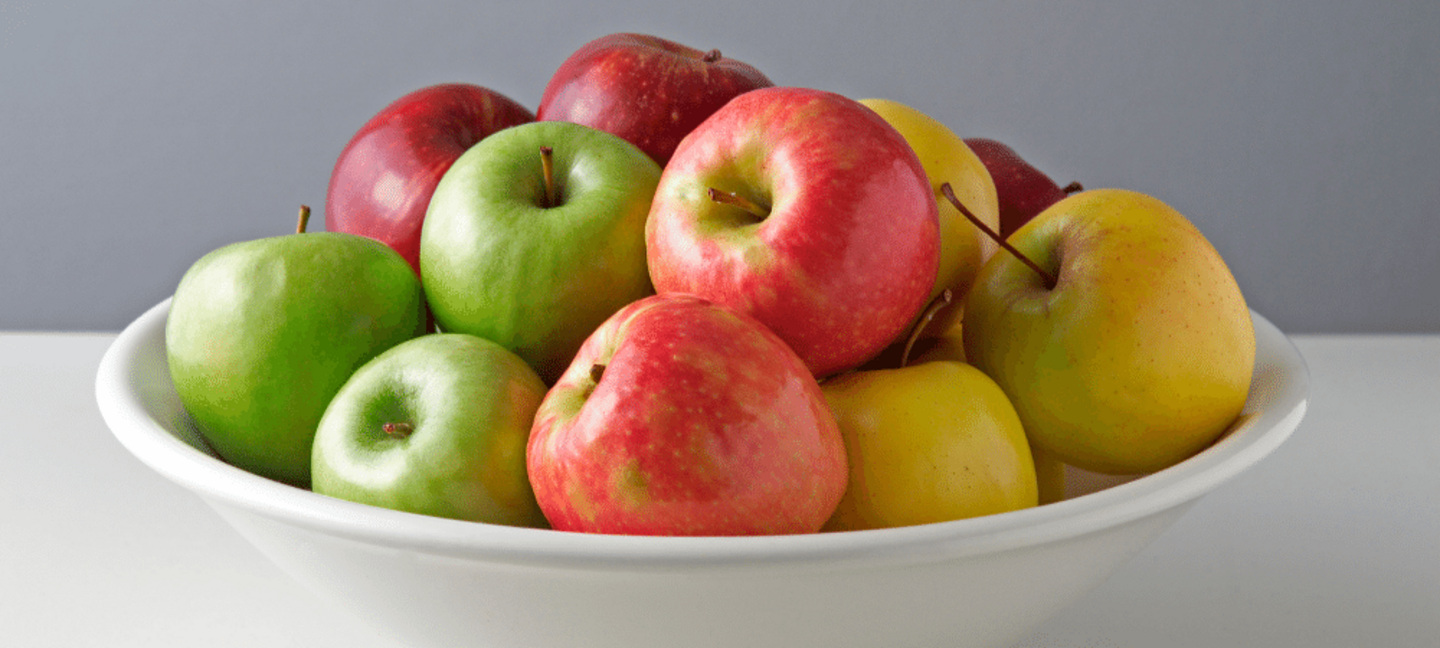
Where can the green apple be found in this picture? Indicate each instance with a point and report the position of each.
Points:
(928, 442)
(1138, 354)
(947, 159)
(535, 236)
(438, 426)
(261, 334)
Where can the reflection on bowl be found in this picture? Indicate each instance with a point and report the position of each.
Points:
(436, 582)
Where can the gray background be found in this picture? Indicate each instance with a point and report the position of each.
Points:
(1302, 138)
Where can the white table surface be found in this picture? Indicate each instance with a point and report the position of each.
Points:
(1332, 541)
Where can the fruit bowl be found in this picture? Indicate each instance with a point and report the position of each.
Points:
(427, 581)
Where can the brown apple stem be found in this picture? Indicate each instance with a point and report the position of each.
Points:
(304, 219)
(946, 296)
(737, 200)
(397, 430)
(596, 371)
(711, 56)
(1073, 187)
(1049, 279)
(547, 166)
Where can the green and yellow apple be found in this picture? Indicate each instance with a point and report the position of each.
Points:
(928, 442)
(537, 234)
(1141, 351)
(438, 426)
(262, 334)
(947, 159)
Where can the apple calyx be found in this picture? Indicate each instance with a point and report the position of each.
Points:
(547, 167)
(304, 219)
(711, 56)
(397, 430)
(759, 211)
(596, 371)
(1048, 278)
(943, 300)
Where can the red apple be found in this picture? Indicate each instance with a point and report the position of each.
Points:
(683, 417)
(383, 180)
(1022, 190)
(805, 210)
(648, 90)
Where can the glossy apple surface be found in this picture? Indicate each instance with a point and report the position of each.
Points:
(838, 247)
(1021, 189)
(648, 90)
(683, 417)
(929, 442)
(500, 261)
(1139, 356)
(436, 425)
(383, 180)
(262, 334)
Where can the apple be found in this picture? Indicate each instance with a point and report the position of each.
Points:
(1022, 190)
(262, 334)
(436, 425)
(649, 91)
(947, 159)
(928, 442)
(535, 236)
(1134, 352)
(680, 416)
(382, 182)
(805, 210)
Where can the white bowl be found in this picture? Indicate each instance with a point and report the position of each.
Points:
(436, 582)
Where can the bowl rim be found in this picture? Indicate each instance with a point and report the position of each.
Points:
(1278, 400)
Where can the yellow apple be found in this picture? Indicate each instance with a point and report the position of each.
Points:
(946, 158)
(928, 443)
(1140, 353)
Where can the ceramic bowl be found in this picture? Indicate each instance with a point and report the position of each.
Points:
(426, 581)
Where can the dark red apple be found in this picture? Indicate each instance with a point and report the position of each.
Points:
(679, 416)
(648, 90)
(805, 210)
(1021, 190)
(382, 183)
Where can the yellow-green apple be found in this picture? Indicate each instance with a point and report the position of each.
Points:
(683, 417)
(805, 210)
(947, 159)
(262, 334)
(436, 425)
(645, 89)
(1022, 190)
(1140, 351)
(382, 182)
(928, 442)
(535, 236)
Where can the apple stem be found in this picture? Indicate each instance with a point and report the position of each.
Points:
(737, 200)
(398, 430)
(547, 166)
(1050, 280)
(946, 296)
(596, 371)
(304, 219)
(1073, 187)
(711, 56)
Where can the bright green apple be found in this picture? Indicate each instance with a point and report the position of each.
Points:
(438, 426)
(1139, 354)
(536, 235)
(261, 334)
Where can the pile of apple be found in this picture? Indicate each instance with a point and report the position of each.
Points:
(679, 299)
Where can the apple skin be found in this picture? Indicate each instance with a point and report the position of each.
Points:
(929, 442)
(382, 182)
(262, 334)
(1141, 354)
(849, 250)
(648, 90)
(499, 264)
(459, 408)
(702, 422)
(1022, 190)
